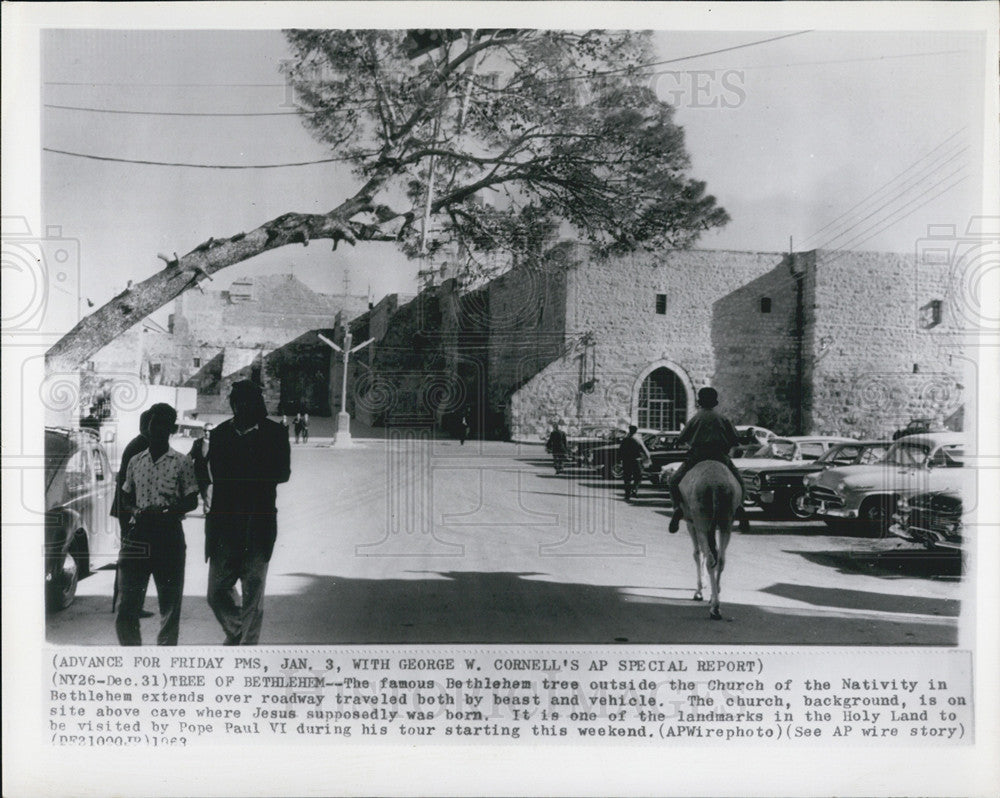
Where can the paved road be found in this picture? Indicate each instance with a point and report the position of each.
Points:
(413, 540)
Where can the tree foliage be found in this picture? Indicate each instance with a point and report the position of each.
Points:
(562, 127)
(556, 129)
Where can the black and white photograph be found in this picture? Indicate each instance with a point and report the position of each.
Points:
(602, 372)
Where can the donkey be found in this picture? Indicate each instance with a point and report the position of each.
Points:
(710, 496)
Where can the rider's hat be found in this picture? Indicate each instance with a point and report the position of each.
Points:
(708, 397)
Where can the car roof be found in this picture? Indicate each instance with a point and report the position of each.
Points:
(804, 438)
(934, 438)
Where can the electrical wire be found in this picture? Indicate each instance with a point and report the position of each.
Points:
(193, 165)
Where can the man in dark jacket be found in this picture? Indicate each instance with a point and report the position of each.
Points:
(632, 454)
(249, 457)
(199, 454)
(558, 446)
(710, 436)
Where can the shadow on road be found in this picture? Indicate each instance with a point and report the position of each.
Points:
(866, 600)
(474, 607)
(478, 607)
(890, 564)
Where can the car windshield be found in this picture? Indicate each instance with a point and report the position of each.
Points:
(659, 441)
(778, 449)
(852, 453)
(908, 454)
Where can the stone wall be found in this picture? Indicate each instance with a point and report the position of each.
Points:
(753, 331)
(814, 342)
(614, 337)
(252, 331)
(874, 362)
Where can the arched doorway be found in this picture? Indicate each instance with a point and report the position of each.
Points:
(662, 401)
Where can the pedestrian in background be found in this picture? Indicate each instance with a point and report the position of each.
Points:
(297, 426)
(633, 455)
(199, 456)
(305, 428)
(159, 488)
(249, 457)
(558, 446)
(464, 427)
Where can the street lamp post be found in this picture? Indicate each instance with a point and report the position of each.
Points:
(342, 440)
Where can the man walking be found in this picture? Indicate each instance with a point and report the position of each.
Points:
(632, 454)
(558, 446)
(159, 488)
(249, 456)
(199, 456)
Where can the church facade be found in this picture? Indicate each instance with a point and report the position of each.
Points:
(819, 342)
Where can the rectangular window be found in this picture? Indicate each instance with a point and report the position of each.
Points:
(661, 304)
(765, 304)
(197, 362)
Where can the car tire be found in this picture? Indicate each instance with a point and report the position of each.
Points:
(876, 514)
(796, 508)
(62, 589)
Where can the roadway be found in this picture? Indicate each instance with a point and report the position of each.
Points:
(413, 540)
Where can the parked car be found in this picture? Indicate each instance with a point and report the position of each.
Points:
(779, 490)
(604, 459)
(749, 434)
(80, 534)
(790, 449)
(934, 519)
(919, 426)
(591, 438)
(777, 452)
(914, 464)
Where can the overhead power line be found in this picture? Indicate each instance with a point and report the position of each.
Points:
(175, 113)
(193, 165)
(641, 68)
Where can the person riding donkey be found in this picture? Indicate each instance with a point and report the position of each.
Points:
(710, 436)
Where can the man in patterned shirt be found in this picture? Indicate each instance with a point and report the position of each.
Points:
(159, 487)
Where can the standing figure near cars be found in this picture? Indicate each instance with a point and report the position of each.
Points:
(710, 436)
(633, 455)
(558, 447)
(249, 457)
(199, 456)
(159, 488)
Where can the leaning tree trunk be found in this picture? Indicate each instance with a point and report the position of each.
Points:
(180, 274)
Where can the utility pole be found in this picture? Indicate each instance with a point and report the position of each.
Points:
(342, 440)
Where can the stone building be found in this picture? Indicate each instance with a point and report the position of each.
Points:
(816, 342)
(254, 329)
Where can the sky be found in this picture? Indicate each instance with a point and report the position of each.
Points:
(833, 139)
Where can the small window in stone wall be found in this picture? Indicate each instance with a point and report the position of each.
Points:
(661, 304)
(765, 304)
(930, 314)
(197, 362)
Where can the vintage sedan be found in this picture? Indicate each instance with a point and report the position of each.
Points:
(604, 459)
(80, 534)
(869, 494)
(935, 520)
(777, 452)
(779, 490)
